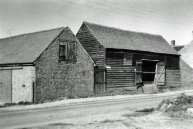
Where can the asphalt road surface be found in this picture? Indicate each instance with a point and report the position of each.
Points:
(36, 117)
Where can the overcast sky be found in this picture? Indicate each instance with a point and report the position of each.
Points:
(173, 19)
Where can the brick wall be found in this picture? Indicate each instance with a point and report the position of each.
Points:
(55, 79)
(22, 84)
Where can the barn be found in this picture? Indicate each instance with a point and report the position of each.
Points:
(43, 66)
(130, 60)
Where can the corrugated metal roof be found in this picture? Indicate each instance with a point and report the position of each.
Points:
(111, 37)
(26, 48)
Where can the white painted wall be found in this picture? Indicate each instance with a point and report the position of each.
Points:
(188, 58)
(23, 77)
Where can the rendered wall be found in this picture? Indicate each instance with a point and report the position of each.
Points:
(22, 84)
(5, 86)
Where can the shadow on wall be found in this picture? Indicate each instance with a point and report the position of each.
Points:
(186, 75)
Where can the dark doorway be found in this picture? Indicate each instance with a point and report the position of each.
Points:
(149, 71)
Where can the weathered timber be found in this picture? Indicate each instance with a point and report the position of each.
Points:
(92, 46)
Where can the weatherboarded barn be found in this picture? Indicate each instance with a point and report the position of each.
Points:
(129, 60)
(44, 65)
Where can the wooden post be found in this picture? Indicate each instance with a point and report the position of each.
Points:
(156, 77)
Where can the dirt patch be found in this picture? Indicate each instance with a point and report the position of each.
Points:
(176, 107)
(152, 120)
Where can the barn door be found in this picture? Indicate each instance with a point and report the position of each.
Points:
(99, 81)
(138, 72)
(160, 74)
(5, 86)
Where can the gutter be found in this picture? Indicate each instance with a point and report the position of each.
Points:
(16, 64)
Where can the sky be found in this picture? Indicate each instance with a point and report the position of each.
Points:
(173, 19)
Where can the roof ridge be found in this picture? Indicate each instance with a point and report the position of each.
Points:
(33, 33)
(112, 37)
(186, 46)
(120, 29)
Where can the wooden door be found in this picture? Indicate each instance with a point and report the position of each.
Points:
(5, 86)
(138, 73)
(99, 81)
(160, 74)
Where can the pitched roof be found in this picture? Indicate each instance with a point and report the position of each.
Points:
(26, 48)
(111, 37)
(178, 48)
(187, 54)
(188, 48)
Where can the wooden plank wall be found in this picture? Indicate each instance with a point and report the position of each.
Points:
(92, 46)
(173, 78)
(123, 64)
(118, 76)
(173, 74)
(140, 56)
(121, 74)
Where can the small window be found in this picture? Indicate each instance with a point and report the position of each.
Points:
(67, 51)
(63, 52)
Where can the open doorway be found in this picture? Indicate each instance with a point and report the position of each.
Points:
(149, 71)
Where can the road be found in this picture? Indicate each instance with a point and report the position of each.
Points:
(35, 117)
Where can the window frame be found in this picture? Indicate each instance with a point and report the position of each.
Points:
(61, 57)
(67, 49)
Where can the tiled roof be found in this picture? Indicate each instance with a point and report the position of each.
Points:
(178, 48)
(26, 48)
(111, 37)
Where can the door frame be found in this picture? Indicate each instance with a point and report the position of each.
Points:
(99, 87)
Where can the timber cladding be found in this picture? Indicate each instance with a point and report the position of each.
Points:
(173, 72)
(91, 45)
(55, 78)
(128, 57)
(123, 64)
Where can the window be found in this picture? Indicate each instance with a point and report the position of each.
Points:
(63, 53)
(67, 51)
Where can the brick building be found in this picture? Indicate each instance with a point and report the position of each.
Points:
(44, 65)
